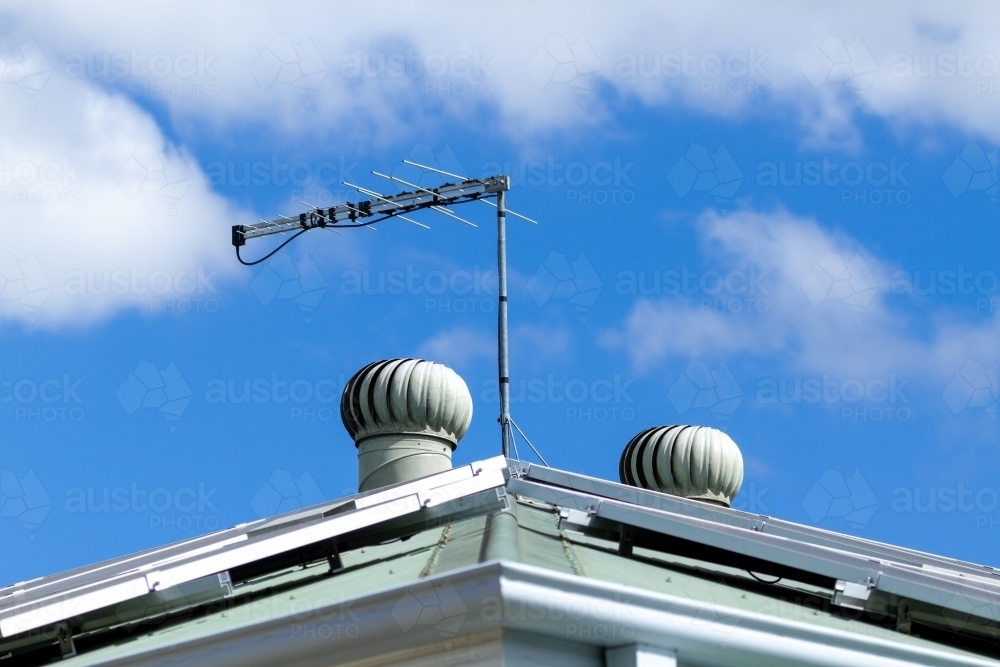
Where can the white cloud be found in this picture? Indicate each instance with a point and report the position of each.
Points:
(540, 67)
(235, 69)
(101, 212)
(821, 317)
(459, 346)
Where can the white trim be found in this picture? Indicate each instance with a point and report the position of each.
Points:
(263, 548)
(538, 602)
(701, 632)
(79, 604)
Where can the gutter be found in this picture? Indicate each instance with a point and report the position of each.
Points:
(523, 598)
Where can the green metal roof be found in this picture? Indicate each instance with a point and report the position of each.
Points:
(405, 565)
(529, 533)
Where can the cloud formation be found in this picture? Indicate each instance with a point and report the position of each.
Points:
(96, 188)
(537, 68)
(830, 308)
(101, 212)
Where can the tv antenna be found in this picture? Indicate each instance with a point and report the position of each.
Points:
(378, 207)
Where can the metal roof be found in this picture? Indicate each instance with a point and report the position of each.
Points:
(497, 510)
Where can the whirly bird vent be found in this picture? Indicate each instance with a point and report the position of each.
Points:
(689, 461)
(406, 417)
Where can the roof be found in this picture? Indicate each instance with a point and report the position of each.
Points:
(430, 555)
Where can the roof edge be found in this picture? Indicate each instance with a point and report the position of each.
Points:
(512, 596)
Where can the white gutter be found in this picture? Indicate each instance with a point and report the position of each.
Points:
(527, 599)
(586, 610)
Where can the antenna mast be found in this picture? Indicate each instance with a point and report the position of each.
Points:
(382, 207)
(505, 435)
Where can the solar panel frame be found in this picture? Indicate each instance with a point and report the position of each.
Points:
(42, 602)
(756, 522)
(940, 587)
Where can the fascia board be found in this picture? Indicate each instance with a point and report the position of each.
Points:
(700, 632)
(538, 601)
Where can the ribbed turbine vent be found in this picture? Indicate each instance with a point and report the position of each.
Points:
(689, 461)
(405, 416)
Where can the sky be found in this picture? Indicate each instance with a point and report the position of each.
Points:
(776, 220)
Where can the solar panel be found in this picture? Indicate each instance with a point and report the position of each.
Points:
(861, 574)
(43, 603)
(858, 580)
(756, 522)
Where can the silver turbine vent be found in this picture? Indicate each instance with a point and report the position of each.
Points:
(406, 417)
(689, 461)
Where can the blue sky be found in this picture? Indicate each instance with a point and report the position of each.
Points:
(790, 237)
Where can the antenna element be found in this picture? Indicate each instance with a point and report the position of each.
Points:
(382, 207)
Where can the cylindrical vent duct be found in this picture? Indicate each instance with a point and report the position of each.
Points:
(690, 461)
(406, 417)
